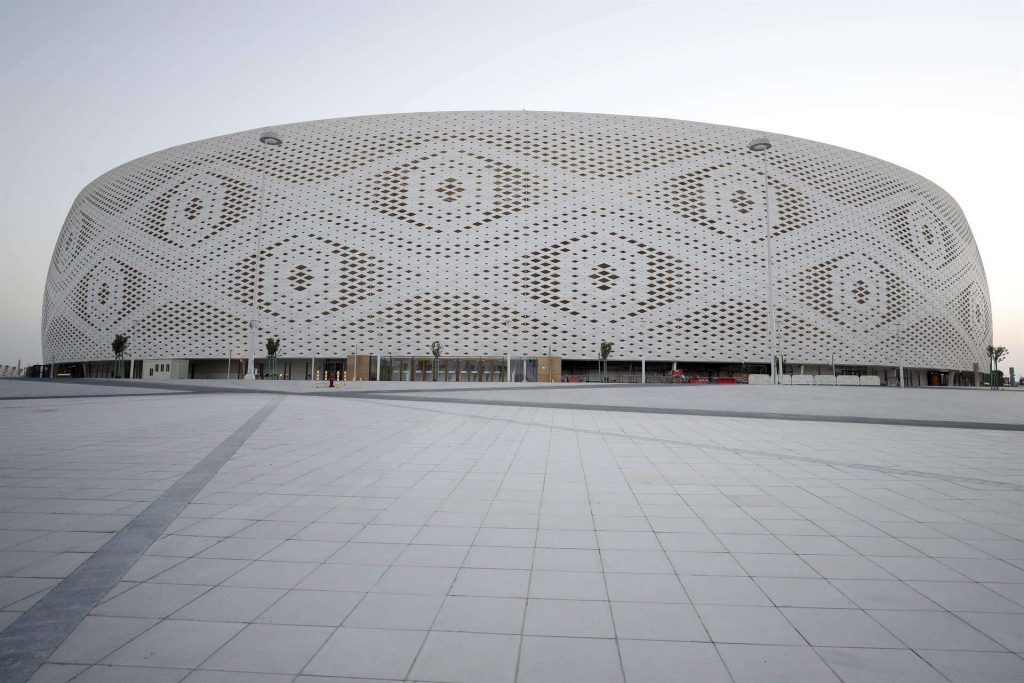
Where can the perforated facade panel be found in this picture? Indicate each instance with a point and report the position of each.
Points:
(528, 231)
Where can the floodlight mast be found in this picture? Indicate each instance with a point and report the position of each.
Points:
(271, 139)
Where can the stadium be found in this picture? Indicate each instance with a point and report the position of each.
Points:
(519, 242)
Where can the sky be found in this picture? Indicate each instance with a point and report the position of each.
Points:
(86, 85)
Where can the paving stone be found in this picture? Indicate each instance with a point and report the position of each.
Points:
(649, 661)
(175, 644)
(261, 574)
(386, 610)
(568, 585)
(97, 637)
(754, 625)
(786, 592)
(660, 588)
(839, 627)
(724, 590)
(500, 583)
(367, 653)
(230, 603)
(201, 571)
(583, 618)
(481, 614)
(102, 673)
(269, 648)
(653, 621)
(1005, 629)
(866, 665)
(933, 631)
(311, 608)
(572, 660)
(467, 658)
(968, 667)
(153, 600)
(759, 663)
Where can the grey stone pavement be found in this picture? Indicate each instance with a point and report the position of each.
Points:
(221, 531)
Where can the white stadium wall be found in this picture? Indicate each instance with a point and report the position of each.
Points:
(526, 231)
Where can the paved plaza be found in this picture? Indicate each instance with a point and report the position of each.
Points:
(271, 532)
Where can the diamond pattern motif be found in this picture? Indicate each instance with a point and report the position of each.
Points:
(519, 232)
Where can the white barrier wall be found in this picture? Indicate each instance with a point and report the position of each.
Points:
(803, 379)
(870, 381)
(848, 380)
(825, 380)
(759, 379)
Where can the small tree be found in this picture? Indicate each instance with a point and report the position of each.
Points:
(273, 345)
(435, 351)
(119, 346)
(606, 350)
(995, 354)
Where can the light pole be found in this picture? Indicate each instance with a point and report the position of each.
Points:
(273, 140)
(379, 350)
(508, 351)
(643, 352)
(899, 355)
(132, 323)
(763, 145)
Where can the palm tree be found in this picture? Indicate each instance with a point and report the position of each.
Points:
(272, 347)
(995, 354)
(435, 350)
(606, 350)
(119, 346)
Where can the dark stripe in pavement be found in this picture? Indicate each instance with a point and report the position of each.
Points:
(412, 395)
(105, 395)
(33, 636)
(886, 469)
(843, 419)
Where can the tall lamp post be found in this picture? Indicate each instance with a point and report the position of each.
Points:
(379, 350)
(273, 140)
(643, 352)
(763, 145)
(132, 324)
(508, 351)
(899, 352)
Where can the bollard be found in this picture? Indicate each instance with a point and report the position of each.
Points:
(317, 379)
(346, 377)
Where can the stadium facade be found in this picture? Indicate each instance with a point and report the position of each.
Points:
(530, 236)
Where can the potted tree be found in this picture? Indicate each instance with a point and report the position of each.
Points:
(273, 345)
(119, 346)
(606, 350)
(995, 354)
(435, 351)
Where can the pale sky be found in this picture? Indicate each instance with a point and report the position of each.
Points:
(86, 85)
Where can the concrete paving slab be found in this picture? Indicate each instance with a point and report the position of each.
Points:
(512, 540)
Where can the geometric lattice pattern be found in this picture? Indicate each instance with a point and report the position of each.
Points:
(527, 231)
